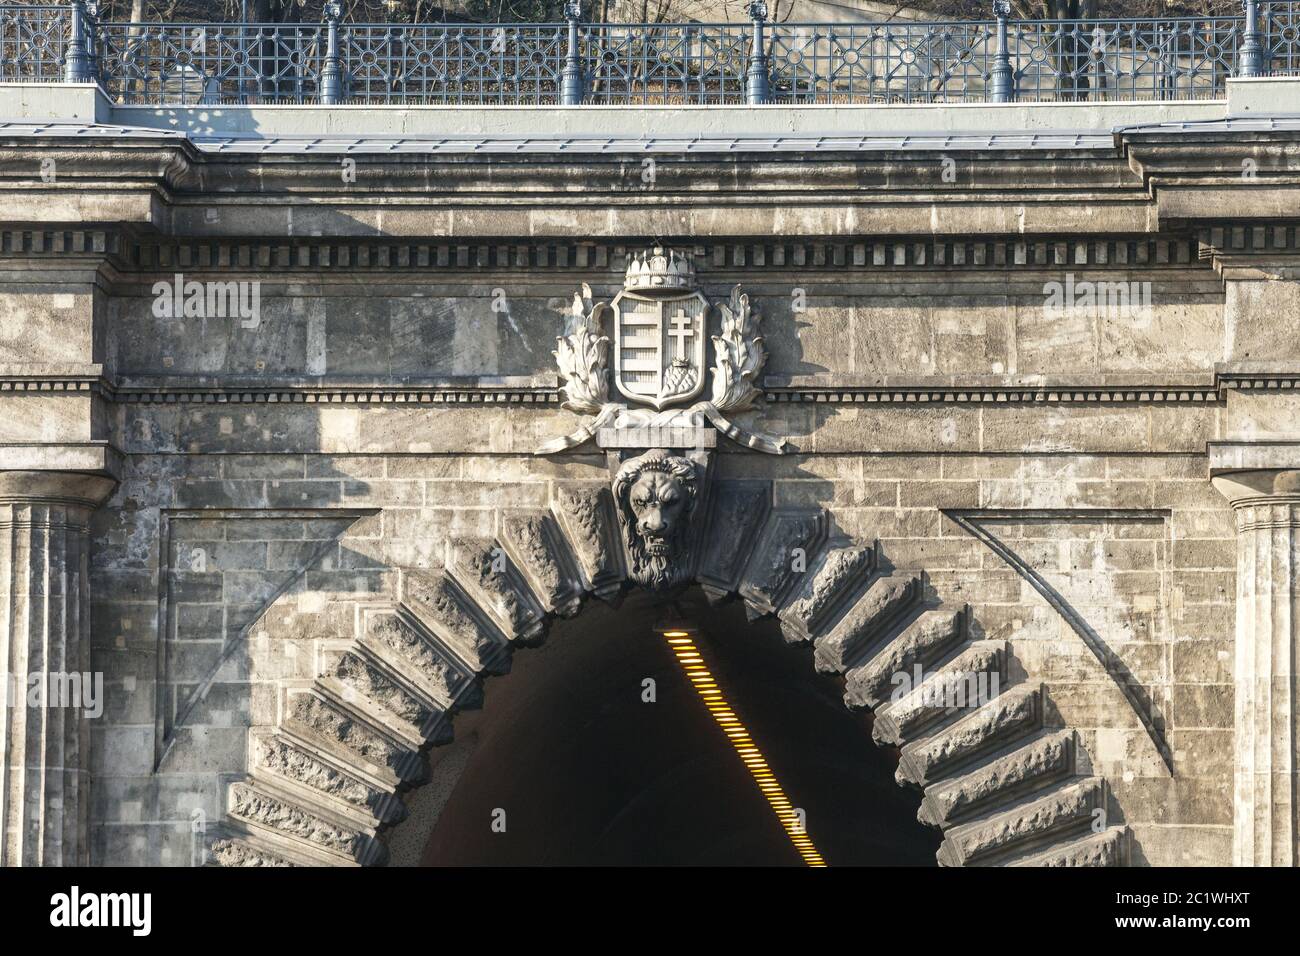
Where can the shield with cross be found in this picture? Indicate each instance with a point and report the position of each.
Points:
(659, 347)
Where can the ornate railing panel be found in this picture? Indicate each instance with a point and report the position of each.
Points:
(501, 63)
(879, 62)
(33, 43)
(688, 63)
(1280, 23)
(666, 62)
(209, 63)
(1123, 59)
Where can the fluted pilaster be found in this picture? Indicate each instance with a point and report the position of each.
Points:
(1267, 507)
(44, 645)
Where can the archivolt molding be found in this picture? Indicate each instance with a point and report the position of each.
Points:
(1003, 780)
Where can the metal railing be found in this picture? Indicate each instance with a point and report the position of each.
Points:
(1280, 24)
(208, 63)
(33, 43)
(574, 62)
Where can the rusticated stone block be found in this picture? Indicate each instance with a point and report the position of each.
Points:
(785, 551)
(884, 605)
(360, 681)
(736, 515)
(421, 657)
(445, 608)
(924, 640)
(486, 571)
(1012, 714)
(586, 515)
(237, 853)
(969, 680)
(344, 733)
(536, 544)
(840, 576)
(288, 759)
(258, 807)
(1108, 848)
(1068, 808)
(1039, 762)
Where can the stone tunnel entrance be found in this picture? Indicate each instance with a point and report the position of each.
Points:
(569, 763)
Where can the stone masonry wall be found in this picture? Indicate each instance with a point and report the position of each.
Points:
(267, 500)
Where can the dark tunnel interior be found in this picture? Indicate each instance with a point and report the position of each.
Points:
(573, 766)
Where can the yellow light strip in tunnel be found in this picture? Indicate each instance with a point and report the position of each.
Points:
(691, 661)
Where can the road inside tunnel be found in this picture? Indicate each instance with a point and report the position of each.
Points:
(596, 750)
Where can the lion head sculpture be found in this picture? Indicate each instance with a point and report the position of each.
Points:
(655, 495)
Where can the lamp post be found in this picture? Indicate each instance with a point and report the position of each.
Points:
(1251, 62)
(331, 74)
(79, 67)
(757, 90)
(571, 77)
(1002, 81)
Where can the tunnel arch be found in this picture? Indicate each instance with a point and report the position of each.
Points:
(1000, 775)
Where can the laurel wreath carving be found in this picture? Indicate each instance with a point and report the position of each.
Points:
(739, 355)
(582, 355)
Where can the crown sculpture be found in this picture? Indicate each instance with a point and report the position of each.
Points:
(657, 270)
(660, 336)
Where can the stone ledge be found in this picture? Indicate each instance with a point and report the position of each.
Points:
(1227, 456)
(91, 458)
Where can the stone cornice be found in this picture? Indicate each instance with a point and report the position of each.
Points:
(900, 390)
(1251, 251)
(171, 184)
(1194, 175)
(132, 255)
(174, 187)
(1026, 393)
(178, 391)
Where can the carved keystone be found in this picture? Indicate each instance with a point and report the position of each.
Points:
(656, 496)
